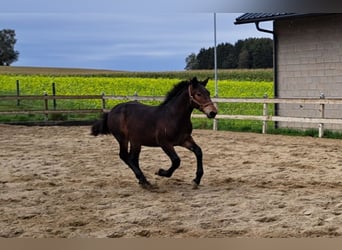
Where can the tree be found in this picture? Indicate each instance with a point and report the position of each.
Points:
(205, 58)
(263, 53)
(224, 51)
(248, 53)
(191, 62)
(7, 53)
(244, 60)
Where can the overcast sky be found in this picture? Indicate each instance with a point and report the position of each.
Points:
(79, 34)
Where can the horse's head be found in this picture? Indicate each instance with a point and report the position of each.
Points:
(200, 97)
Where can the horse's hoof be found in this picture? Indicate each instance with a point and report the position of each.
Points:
(144, 183)
(148, 186)
(194, 185)
(162, 172)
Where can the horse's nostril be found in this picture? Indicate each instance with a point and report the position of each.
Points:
(212, 114)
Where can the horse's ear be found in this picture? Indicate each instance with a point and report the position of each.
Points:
(204, 83)
(194, 81)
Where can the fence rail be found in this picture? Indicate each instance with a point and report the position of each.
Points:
(50, 97)
(264, 118)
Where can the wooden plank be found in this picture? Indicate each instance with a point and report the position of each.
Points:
(81, 97)
(159, 98)
(136, 98)
(279, 100)
(305, 120)
(274, 118)
(50, 97)
(232, 117)
(304, 101)
(32, 112)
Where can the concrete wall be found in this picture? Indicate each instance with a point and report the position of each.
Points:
(309, 53)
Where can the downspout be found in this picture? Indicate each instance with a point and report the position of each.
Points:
(263, 30)
(275, 64)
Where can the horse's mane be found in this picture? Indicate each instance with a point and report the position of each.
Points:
(178, 88)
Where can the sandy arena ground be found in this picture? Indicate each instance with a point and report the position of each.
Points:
(62, 182)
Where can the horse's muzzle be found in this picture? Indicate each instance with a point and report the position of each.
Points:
(212, 114)
(209, 109)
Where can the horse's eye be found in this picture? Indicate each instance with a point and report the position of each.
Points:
(198, 94)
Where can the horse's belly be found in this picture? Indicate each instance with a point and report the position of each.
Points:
(142, 134)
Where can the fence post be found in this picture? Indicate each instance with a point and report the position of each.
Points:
(321, 109)
(265, 114)
(46, 106)
(54, 94)
(103, 102)
(18, 92)
(215, 123)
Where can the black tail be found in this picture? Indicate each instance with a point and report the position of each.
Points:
(100, 126)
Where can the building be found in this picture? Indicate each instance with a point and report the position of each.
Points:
(307, 61)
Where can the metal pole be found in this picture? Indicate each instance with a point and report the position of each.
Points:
(215, 56)
(215, 125)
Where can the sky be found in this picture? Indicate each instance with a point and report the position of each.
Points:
(117, 35)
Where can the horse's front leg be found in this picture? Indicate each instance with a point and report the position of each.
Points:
(192, 146)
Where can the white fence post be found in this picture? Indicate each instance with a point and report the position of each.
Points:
(321, 125)
(215, 123)
(265, 114)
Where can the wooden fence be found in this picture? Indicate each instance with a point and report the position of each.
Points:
(264, 118)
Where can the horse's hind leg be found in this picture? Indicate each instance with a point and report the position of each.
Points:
(132, 160)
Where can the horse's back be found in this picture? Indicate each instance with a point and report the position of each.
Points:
(133, 110)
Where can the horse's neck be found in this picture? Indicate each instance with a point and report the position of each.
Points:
(180, 106)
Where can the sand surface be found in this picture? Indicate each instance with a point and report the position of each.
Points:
(62, 182)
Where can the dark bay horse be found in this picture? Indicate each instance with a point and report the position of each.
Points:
(166, 126)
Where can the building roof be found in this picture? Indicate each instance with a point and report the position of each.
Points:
(258, 17)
